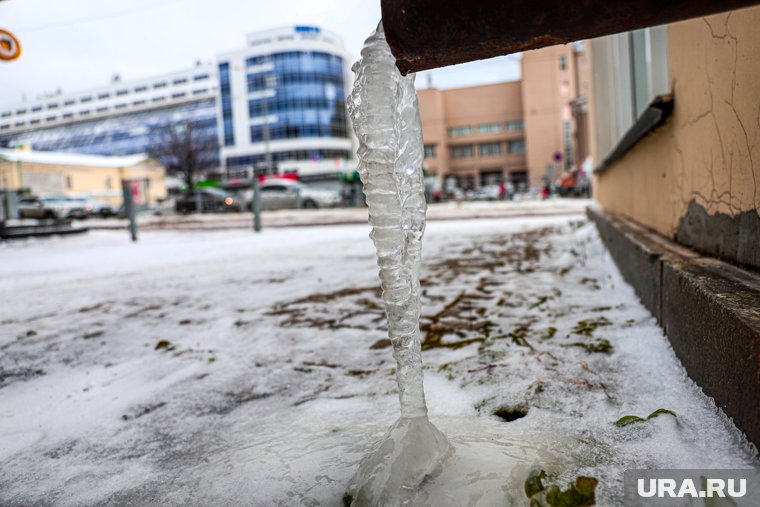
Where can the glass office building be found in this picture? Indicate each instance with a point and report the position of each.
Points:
(120, 118)
(124, 134)
(284, 92)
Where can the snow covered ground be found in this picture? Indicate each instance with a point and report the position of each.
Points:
(227, 368)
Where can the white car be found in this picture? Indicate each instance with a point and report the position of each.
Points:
(282, 193)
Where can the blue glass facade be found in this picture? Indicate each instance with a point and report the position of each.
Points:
(279, 156)
(225, 95)
(309, 95)
(124, 134)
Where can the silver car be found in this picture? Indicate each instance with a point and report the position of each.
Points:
(52, 207)
(285, 194)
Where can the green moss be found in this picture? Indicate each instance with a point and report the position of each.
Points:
(627, 420)
(582, 493)
(549, 333)
(601, 346)
(586, 327)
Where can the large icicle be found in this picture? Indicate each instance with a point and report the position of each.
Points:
(385, 116)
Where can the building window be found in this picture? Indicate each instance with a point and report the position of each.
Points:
(101, 110)
(562, 62)
(460, 131)
(517, 146)
(489, 128)
(141, 88)
(177, 95)
(68, 182)
(138, 102)
(119, 106)
(429, 151)
(85, 99)
(158, 99)
(104, 95)
(108, 183)
(489, 149)
(179, 81)
(68, 115)
(159, 85)
(568, 138)
(21, 111)
(462, 151)
(121, 93)
(52, 106)
(6, 126)
(6, 114)
(228, 132)
(514, 125)
(51, 118)
(36, 109)
(198, 92)
(200, 77)
(69, 103)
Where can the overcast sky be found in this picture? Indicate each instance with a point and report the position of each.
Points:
(78, 44)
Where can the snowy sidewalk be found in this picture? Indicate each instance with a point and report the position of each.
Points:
(226, 368)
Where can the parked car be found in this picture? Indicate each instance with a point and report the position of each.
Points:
(280, 193)
(98, 208)
(486, 193)
(51, 207)
(212, 200)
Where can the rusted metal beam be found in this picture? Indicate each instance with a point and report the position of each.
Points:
(425, 34)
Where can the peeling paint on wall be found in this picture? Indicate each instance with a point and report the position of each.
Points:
(697, 179)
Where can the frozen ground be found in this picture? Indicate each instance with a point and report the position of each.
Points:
(202, 368)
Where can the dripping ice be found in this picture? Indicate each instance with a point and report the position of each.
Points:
(385, 116)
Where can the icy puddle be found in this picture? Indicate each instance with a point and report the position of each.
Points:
(192, 376)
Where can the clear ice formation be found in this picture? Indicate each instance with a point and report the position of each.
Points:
(385, 116)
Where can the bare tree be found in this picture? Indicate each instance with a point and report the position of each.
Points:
(184, 149)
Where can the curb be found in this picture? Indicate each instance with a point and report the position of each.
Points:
(708, 309)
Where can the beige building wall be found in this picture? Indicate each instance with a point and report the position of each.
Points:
(550, 83)
(480, 109)
(101, 183)
(708, 153)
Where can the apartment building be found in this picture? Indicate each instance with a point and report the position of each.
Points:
(521, 131)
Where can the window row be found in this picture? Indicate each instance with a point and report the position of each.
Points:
(104, 95)
(276, 105)
(279, 156)
(295, 131)
(487, 128)
(259, 82)
(102, 109)
(484, 149)
(317, 56)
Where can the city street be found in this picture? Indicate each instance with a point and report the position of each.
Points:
(227, 368)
